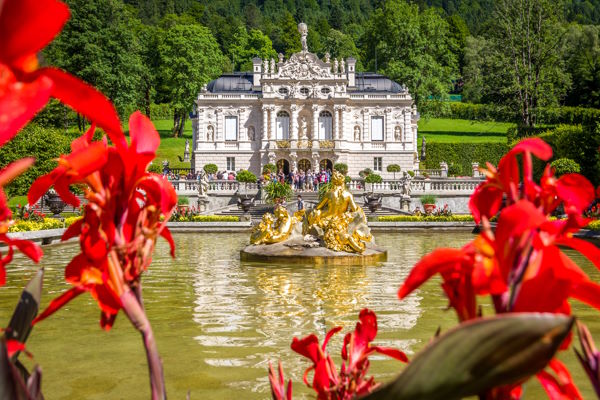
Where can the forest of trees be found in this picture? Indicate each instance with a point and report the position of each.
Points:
(520, 54)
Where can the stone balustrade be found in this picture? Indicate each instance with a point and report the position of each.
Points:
(186, 187)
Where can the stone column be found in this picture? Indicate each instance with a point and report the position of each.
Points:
(219, 131)
(408, 136)
(294, 126)
(475, 168)
(336, 123)
(388, 125)
(273, 126)
(315, 127)
(242, 130)
(265, 126)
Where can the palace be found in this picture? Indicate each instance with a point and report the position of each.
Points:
(305, 113)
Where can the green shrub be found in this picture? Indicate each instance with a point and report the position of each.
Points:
(46, 144)
(211, 168)
(341, 168)
(245, 176)
(161, 111)
(269, 168)
(154, 167)
(425, 218)
(365, 172)
(215, 218)
(276, 190)
(411, 173)
(393, 168)
(463, 154)
(373, 178)
(183, 201)
(454, 170)
(428, 199)
(578, 143)
(564, 166)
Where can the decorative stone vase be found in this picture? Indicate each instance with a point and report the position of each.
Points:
(55, 204)
(245, 202)
(373, 202)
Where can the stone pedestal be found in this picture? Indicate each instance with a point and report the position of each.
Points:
(203, 202)
(405, 203)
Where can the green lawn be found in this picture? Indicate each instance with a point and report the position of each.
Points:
(461, 130)
(170, 147)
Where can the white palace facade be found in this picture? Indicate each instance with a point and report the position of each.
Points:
(305, 113)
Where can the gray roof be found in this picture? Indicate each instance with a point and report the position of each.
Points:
(235, 82)
(241, 82)
(372, 82)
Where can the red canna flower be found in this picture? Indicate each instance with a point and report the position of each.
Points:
(27, 26)
(351, 380)
(127, 210)
(31, 250)
(520, 265)
(279, 391)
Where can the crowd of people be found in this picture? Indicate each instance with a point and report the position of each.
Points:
(307, 181)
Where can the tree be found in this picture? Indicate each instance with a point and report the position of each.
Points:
(289, 37)
(393, 168)
(524, 41)
(412, 47)
(341, 46)
(189, 58)
(582, 56)
(249, 45)
(98, 45)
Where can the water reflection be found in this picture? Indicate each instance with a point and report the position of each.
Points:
(219, 321)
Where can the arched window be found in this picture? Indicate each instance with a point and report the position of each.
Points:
(283, 126)
(325, 126)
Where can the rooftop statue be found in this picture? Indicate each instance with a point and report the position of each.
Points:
(338, 220)
(303, 29)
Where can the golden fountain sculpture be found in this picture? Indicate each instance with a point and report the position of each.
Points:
(337, 220)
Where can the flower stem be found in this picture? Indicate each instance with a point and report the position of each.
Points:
(138, 318)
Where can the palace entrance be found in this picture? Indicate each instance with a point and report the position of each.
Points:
(304, 165)
(326, 164)
(283, 164)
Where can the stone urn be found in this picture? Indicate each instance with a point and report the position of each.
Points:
(245, 203)
(429, 208)
(55, 204)
(373, 202)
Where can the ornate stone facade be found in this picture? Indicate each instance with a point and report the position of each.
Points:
(305, 113)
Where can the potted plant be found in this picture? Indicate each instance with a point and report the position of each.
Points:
(372, 200)
(183, 202)
(245, 201)
(278, 193)
(393, 168)
(341, 168)
(428, 202)
(210, 168)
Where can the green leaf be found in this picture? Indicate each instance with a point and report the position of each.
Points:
(479, 355)
(19, 326)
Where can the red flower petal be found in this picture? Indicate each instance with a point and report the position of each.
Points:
(576, 191)
(58, 302)
(307, 347)
(73, 230)
(166, 234)
(437, 261)
(26, 26)
(329, 334)
(390, 352)
(14, 169)
(41, 185)
(19, 101)
(562, 388)
(535, 146)
(144, 137)
(86, 100)
(516, 219)
(30, 249)
(485, 201)
(107, 320)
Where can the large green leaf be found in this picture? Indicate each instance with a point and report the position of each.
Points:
(19, 326)
(479, 355)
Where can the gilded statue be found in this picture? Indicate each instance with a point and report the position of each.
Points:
(276, 227)
(338, 220)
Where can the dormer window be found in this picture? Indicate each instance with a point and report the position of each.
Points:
(284, 91)
(305, 91)
(325, 90)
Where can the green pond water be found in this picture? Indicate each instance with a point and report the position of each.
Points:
(218, 321)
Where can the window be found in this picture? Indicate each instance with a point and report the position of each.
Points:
(283, 90)
(283, 126)
(231, 128)
(325, 126)
(377, 128)
(325, 90)
(305, 91)
(377, 164)
(230, 163)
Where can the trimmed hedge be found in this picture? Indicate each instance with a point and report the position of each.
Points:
(423, 218)
(461, 155)
(493, 112)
